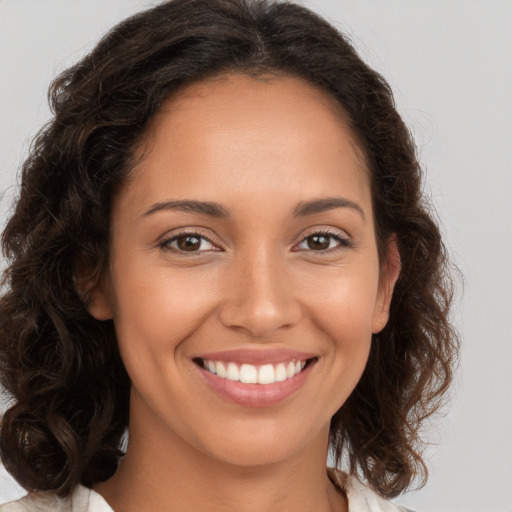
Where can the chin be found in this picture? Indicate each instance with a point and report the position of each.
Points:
(258, 444)
(259, 454)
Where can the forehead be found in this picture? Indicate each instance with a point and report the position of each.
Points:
(275, 135)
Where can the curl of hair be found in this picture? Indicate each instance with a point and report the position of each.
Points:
(61, 367)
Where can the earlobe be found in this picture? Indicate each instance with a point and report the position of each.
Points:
(390, 271)
(99, 303)
(93, 291)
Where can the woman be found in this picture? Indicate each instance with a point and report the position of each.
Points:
(220, 244)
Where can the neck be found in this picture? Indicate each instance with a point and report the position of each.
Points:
(162, 473)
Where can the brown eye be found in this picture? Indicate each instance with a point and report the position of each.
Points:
(324, 242)
(188, 242)
(318, 242)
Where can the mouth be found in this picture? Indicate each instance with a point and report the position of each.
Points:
(246, 373)
(262, 382)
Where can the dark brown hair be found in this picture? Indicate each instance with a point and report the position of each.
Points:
(61, 368)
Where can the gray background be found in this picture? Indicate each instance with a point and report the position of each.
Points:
(450, 66)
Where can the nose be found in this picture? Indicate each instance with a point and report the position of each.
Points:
(260, 298)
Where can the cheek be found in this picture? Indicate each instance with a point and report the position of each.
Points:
(342, 310)
(156, 313)
(345, 301)
(155, 310)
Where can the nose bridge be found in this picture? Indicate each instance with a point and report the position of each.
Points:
(259, 297)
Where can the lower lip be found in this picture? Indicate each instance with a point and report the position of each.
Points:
(255, 395)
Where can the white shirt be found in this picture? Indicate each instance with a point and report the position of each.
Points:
(360, 499)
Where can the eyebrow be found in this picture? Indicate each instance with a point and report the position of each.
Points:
(328, 203)
(189, 205)
(212, 209)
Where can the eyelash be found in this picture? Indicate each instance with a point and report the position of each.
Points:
(344, 243)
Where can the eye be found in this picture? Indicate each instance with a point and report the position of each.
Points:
(188, 242)
(324, 241)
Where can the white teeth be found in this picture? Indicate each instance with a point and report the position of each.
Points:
(266, 374)
(250, 374)
(280, 372)
(220, 370)
(233, 373)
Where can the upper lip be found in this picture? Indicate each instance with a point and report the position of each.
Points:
(256, 357)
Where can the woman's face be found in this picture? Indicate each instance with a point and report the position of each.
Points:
(244, 281)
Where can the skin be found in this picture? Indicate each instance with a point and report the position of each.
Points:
(257, 147)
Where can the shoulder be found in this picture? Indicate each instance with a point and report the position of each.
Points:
(360, 497)
(38, 502)
(81, 500)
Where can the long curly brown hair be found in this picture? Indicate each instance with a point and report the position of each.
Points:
(61, 368)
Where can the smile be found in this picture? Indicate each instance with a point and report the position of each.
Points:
(251, 378)
(252, 374)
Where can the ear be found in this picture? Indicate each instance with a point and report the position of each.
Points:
(94, 292)
(390, 271)
(100, 306)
